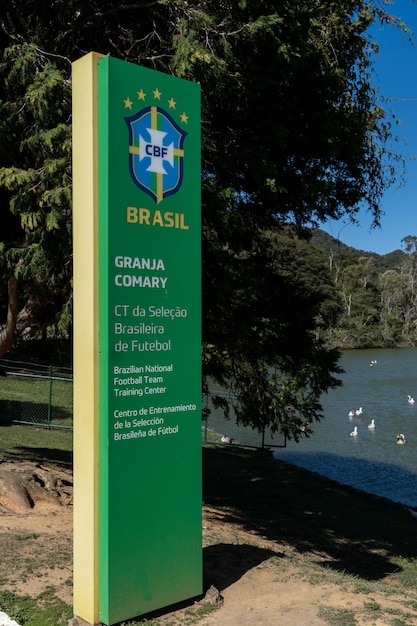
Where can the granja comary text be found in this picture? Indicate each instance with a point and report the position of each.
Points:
(127, 279)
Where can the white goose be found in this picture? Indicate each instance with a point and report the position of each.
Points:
(354, 432)
(410, 399)
(400, 439)
(359, 411)
(371, 426)
(351, 413)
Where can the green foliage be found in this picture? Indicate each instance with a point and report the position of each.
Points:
(35, 180)
(378, 297)
(267, 352)
(294, 132)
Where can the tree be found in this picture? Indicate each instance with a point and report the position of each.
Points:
(409, 276)
(391, 323)
(268, 352)
(35, 181)
(293, 132)
(377, 293)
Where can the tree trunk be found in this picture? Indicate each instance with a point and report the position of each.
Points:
(7, 335)
(17, 321)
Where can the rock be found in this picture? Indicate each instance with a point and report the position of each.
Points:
(213, 597)
(13, 494)
(25, 486)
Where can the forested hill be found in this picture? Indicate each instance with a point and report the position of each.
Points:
(373, 298)
(330, 244)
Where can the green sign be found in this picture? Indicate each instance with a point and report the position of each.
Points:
(149, 285)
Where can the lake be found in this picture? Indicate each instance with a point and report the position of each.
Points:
(371, 461)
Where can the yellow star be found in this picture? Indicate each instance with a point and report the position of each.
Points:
(184, 118)
(141, 95)
(128, 103)
(172, 103)
(157, 94)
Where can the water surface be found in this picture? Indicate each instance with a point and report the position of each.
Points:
(372, 461)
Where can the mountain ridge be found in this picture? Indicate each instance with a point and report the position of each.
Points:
(328, 244)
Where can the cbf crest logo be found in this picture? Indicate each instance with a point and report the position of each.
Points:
(156, 149)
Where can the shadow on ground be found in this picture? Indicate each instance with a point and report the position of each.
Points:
(225, 563)
(340, 527)
(55, 456)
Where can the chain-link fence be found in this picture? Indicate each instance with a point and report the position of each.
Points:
(35, 394)
(43, 395)
(218, 429)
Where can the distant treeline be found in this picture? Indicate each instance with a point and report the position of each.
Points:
(373, 303)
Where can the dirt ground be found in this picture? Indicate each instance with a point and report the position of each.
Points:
(261, 582)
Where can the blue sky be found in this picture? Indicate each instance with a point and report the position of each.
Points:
(396, 79)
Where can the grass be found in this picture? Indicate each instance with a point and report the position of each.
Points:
(54, 554)
(28, 555)
(209, 435)
(338, 535)
(36, 399)
(337, 617)
(34, 443)
(45, 610)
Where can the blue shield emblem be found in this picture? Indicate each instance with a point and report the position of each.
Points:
(156, 152)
